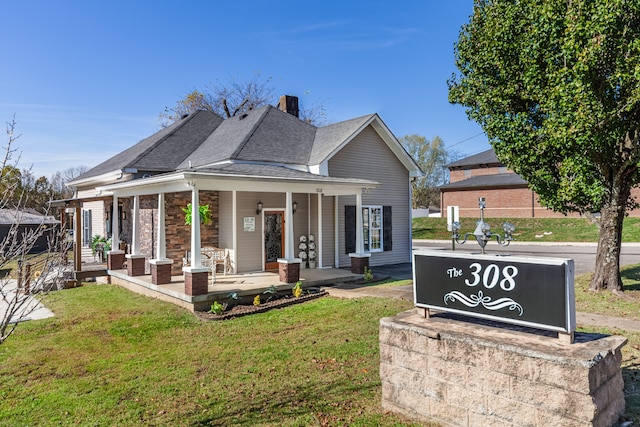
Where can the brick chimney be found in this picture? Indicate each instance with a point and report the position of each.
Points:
(289, 104)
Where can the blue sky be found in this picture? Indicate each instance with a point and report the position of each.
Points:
(88, 79)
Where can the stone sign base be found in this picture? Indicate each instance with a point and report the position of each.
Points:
(458, 373)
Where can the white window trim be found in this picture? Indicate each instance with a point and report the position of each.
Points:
(368, 226)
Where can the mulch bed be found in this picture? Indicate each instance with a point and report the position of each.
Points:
(246, 309)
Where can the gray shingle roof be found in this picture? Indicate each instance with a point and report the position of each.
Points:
(486, 158)
(265, 135)
(11, 216)
(262, 135)
(164, 150)
(271, 171)
(487, 181)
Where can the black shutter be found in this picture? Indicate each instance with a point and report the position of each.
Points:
(349, 229)
(387, 239)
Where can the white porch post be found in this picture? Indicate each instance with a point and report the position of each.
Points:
(359, 259)
(196, 255)
(161, 244)
(336, 233)
(289, 266)
(195, 276)
(135, 235)
(288, 223)
(319, 236)
(359, 235)
(115, 257)
(161, 266)
(136, 261)
(115, 232)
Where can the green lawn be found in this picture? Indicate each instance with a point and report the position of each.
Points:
(111, 357)
(528, 229)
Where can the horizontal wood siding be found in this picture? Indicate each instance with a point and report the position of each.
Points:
(368, 157)
(225, 230)
(97, 226)
(328, 229)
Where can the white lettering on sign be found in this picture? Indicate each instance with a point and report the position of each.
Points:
(454, 272)
(491, 276)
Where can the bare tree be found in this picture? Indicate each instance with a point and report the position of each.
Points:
(234, 98)
(21, 274)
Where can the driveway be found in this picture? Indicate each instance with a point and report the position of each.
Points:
(32, 309)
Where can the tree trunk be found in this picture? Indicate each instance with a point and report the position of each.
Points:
(607, 269)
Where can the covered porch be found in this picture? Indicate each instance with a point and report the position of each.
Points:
(253, 223)
(244, 285)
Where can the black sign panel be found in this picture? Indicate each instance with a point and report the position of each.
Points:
(535, 292)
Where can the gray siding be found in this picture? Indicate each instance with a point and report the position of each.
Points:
(225, 221)
(328, 230)
(368, 157)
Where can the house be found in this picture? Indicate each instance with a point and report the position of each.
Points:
(507, 195)
(26, 223)
(268, 179)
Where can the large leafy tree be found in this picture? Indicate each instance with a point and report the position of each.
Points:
(555, 84)
(432, 157)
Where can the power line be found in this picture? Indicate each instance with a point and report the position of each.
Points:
(465, 140)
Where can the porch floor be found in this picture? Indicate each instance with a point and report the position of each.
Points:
(247, 284)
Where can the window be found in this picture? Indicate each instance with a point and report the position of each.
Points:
(86, 228)
(376, 228)
(372, 228)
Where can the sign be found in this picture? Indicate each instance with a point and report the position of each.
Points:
(535, 292)
(249, 223)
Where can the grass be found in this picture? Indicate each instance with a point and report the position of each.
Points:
(607, 303)
(529, 229)
(111, 357)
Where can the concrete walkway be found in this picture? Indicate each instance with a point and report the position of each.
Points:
(31, 310)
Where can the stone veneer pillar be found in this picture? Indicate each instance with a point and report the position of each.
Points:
(358, 263)
(135, 265)
(196, 281)
(115, 260)
(289, 270)
(459, 373)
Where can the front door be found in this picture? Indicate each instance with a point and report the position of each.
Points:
(273, 238)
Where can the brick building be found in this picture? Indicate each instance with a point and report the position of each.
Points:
(507, 194)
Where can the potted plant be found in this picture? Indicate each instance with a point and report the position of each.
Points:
(205, 214)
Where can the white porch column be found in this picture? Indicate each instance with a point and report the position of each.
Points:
(196, 254)
(288, 225)
(359, 259)
(115, 257)
(359, 235)
(136, 261)
(115, 232)
(161, 244)
(319, 236)
(161, 266)
(135, 234)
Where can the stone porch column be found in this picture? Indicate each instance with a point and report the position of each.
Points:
(161, 265)
(289, 266)
(115, 257)
(359, 259)
(135, 261)
(196, 277)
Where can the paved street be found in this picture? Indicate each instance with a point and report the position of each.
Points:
(583, 254)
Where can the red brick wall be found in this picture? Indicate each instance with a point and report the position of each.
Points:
(507, 203)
